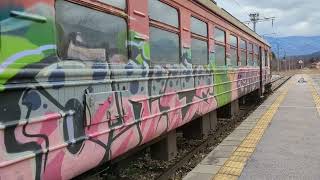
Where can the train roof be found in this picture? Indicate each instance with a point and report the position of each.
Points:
(225, 15)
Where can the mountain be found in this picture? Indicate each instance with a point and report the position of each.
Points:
(295, 45)
(315, 55)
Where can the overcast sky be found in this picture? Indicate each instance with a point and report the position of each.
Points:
(293, 17)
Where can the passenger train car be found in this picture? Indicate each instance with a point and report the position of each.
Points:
(84, 81)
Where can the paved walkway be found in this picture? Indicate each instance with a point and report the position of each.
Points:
(290, 148)
(280, 140)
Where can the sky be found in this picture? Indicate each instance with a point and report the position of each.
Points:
(293, 17)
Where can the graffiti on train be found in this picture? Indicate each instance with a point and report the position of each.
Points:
(57, 114)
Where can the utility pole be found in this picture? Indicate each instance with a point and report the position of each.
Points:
(289, 64)
(285, 60)
(278, 58)
(255, 18)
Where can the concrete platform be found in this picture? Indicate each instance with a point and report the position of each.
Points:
(280, 140)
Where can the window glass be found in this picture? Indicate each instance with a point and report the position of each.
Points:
(234, 57)
(199, 51)
(256, 60)
(164, 46)
(243, 44)
(263, 58)
(250, 47)
(266, 58)
(86, 34)
(219, 35)
(256, 49)
(256, 55)
(243, 53)
(220, 54)
(233, 41)
(117, 3)
(243, 58)
(164, 13)
(250, 60)
(198, 27)
(258, 63)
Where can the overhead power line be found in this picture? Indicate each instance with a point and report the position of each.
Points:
(255, 19)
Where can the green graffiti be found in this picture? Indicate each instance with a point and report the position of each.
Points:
(222, 84)
(140, 45)
(13, 46)
(223, 87)
(40, 34)
(24, 42)
(186, 52)
(146, 51)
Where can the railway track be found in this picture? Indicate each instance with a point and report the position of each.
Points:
(277, 83)
(214, 139)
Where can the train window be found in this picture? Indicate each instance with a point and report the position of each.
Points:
(199, 27)
(250, 47)
(233, 41)
(243, 55)
(263, 60)
(243, 44)
(256, 56)
(199, 42)
(250, 56)
(117, 3)
(250, 59)
(234, 57)
(163, 13)
(164, 42)
(266, 58)
(86, 34)
(199, 51)
(220, 47)
(164, 46)
(234, 50)
(256, 49)
(220, 35)
(220, 54)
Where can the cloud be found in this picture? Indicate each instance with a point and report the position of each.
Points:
(293, 17)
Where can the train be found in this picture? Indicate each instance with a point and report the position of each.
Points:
(82, 82)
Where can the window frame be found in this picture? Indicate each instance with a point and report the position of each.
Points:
(232, 47)
(163, 24)
(270, 57)
(250, 53)
(242, 50)
(110, 5)
(219, 43)
(195, 33)
(256, 54)
(200, 37)
(169, 28)
(102, 7)
(266, 63)
(179, 47)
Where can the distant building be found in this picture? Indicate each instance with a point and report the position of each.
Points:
(315, 65)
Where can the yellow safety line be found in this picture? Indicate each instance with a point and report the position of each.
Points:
(315, 95)
(233, 167)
